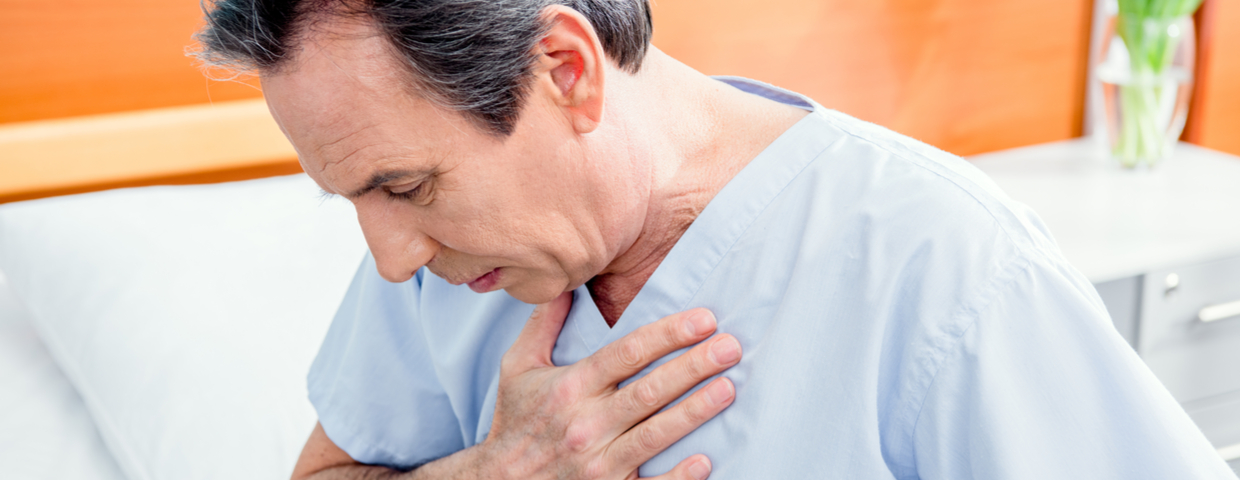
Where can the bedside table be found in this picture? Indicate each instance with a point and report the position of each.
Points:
(1162, 246)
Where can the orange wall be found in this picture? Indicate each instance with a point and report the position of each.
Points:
(77, 57)
(967, 76)
(1214, 118)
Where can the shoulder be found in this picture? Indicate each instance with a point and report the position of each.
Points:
(937, 222)
(916, 191)
(943, 251)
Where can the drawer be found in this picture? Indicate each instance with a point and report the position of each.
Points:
(1218, 417)
(1195, 359)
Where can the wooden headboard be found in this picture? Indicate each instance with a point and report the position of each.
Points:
(218, 142)
(99, 94)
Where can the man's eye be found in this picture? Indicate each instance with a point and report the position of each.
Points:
(404, 192)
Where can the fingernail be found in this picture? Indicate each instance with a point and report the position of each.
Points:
(699, 323)
(719, 392)
(725, 350)
(700, 470)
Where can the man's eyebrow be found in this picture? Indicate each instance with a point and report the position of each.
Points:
(379, 178)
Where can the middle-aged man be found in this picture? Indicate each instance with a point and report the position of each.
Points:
(899, 316)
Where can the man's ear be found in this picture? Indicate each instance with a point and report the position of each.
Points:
(572, 67)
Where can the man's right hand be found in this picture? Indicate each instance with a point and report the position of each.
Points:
(574, 422)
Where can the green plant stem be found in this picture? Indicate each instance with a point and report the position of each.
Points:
(1150, 31)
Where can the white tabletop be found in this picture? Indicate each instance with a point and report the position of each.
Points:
(1113, 223)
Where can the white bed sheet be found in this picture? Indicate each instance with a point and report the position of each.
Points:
(45, 430)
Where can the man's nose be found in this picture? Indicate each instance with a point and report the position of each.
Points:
(399, 247)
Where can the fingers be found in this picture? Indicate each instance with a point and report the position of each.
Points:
(625, 357)
(648, 394)
(654, 435)
(696, 467)
(533, 346)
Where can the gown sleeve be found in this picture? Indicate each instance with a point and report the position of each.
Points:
(1043, 386)
(373, 383)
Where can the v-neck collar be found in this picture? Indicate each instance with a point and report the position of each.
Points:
(681, 274)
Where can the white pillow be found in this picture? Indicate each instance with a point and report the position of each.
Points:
(187, 317)
(45, 431)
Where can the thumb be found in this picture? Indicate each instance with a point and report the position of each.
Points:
(533, 347)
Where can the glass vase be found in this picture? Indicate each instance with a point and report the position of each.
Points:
(1146, 79)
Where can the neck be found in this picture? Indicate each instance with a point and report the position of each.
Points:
(700, 133)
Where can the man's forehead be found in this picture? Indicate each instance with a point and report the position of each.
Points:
(351, 112)
(334, 95)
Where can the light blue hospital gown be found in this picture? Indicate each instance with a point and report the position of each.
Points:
(900, 318)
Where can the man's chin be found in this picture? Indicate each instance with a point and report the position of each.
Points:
(534, 296)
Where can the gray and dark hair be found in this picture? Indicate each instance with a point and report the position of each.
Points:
(475, 56)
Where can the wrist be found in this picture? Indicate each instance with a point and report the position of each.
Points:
(478, 462)
(511, 459)
(486, 461)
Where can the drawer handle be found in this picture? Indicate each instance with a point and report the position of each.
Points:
(1221, 311)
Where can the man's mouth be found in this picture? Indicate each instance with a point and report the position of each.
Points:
(486, 282)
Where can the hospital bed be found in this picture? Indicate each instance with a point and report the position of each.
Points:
(162, 332)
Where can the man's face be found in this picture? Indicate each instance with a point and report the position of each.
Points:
(526, 213)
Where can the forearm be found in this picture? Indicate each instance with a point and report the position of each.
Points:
(462, 465)
(574, 421)
(360, 472)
